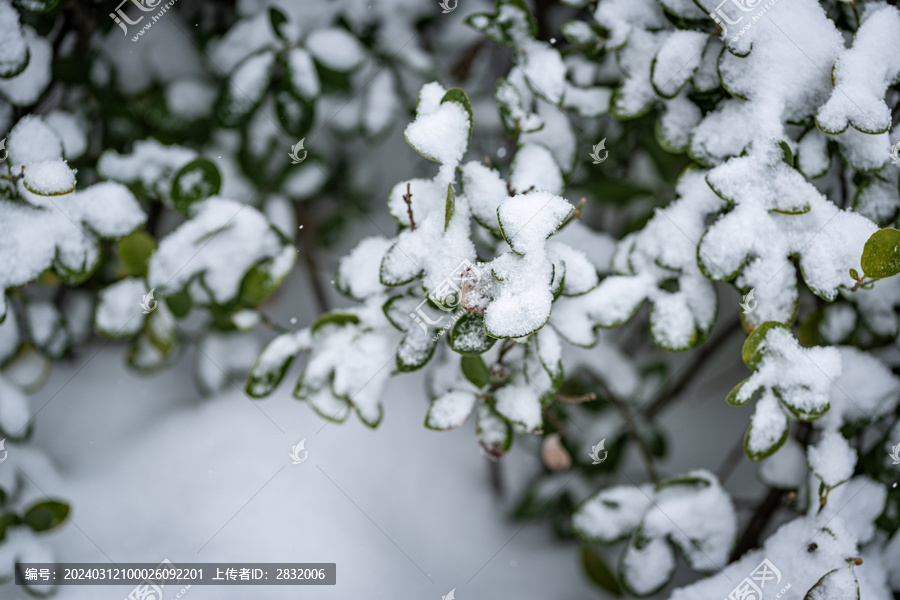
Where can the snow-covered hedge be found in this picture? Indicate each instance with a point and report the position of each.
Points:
(750, 150)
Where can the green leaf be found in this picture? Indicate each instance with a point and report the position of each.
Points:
(495, 434)
(732, 398)
(803, 412)
(277, 19)
(396, 309)
(598, 572)
(336, 318)
(692, 481)
(134, 253)
(295, 113)
(881, 254)
(262, 382)
(46, 515)
(260, 282)
(785, 205)
(449, 206)
(771, 448)
(787, 155)
(60, 182)
(415, 350)
(450, 410)
(457, 95)
(510, 24)
(236, 104)
(854, 274)
(179, 303)
(751, 352)
(391, 272)
(835, 584)
(14, 70)
(272, 364)
(475, 370)
(195, 181)
(8, 520)
(467, 335)
(512, 108)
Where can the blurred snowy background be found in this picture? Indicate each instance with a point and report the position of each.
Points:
(140, 422)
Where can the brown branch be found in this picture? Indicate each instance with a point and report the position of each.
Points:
(496, 474)
(766, 509)
(460, 69)
(407, 197)
(761, 517)
(309, 222)
(577, 399)
(628, 424)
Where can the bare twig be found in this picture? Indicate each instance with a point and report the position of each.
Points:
(731, 461)
(305, 217)
(761, 516)
(407, 197)
(496, 474)
(270, 324)
(460, 69)
(628, 418)
(766, 509)
(577, 399)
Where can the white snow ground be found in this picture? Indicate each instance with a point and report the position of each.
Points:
(154, 471)
(212, 480)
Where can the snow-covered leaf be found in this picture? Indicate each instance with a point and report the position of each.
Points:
(195, 181)
(273, 362)
(450, 410)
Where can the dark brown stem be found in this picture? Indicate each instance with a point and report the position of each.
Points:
(731, 461)
(766, 509)
(496, 474)
(312, 272)
(308, 239)
(590, 396)
(628, 418)
(761, 516)
(407, 197)
(507, 346)
(460, 69)
(269, 323)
